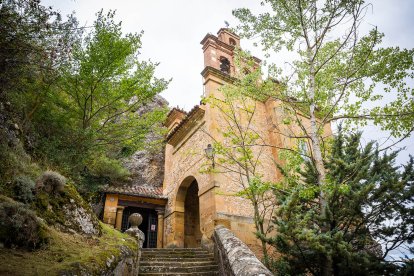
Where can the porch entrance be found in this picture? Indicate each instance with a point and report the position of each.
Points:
(149, 224)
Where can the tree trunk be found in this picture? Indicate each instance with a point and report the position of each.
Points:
(257, 221)
(259, 228)
(317, 156)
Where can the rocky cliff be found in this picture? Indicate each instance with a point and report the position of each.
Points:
(147, 165)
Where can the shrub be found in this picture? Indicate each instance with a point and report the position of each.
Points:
(51, 182)
(22, 187)
(110, 169)
(19, 226)
(14, 162)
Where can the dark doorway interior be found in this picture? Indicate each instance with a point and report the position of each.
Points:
(148, 225)
(192, 233)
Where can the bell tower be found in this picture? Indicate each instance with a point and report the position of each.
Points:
(218, 58)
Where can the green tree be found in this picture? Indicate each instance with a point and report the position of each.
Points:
(34, 43)
(92, 112)
(370, 212)
(334, 76)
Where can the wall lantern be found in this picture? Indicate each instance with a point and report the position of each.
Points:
(210, 153)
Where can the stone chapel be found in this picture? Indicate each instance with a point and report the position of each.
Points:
(185, 209)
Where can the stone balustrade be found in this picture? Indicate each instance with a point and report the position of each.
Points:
(234, 257)
(129, 266)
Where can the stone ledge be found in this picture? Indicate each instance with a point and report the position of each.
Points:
(234, 257)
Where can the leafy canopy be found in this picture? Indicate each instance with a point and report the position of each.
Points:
(370, 212)
(353, 77)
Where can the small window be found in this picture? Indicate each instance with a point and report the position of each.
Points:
(232, 42)
(224, 65)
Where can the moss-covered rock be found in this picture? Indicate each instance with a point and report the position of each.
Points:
(19, 226)
(73, 254)
(67, 211)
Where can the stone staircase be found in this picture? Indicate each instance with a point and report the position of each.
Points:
(177, 261)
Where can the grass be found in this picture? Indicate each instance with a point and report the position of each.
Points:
(66, 252)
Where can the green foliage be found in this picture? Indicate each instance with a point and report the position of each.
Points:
(19, 226)
(92, 111)
(407, 268)
(23, 188)
(338, 69)
(75, 93)
(339, 74)
(108, 169)
(15, 162)
(369, 203)
(104, 86)
(34, 40)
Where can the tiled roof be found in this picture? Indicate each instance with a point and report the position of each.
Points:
(136, 190)
(183, 122)
(175, 113)
(176, 109)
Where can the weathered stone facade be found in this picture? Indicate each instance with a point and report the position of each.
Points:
(189, 135)
(197, 200)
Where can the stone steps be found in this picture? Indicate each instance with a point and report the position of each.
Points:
(198, 249)
(180, 274)
(184, 255)
(165, 269)
(177, 261)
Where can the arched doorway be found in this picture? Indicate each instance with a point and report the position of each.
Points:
(192, 233)
(187, 199)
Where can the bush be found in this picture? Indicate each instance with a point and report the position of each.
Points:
(19, 226)
(51, 182)
(13, 162)
(110, 169)
(22, 187)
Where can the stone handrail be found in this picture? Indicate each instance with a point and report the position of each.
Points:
(234, 257)
(132, 269)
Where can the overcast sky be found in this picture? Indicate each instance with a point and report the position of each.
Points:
(173, 31)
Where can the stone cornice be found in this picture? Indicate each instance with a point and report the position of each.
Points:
(215, 72)
(180, 131)
(230, 48)
(228, 31)
(174, 114)
(215, 39)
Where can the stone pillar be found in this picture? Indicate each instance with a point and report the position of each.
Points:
(135, 220)
(160, 230)
(119, 213)
(111, 204)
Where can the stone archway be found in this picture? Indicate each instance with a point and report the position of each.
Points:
(189, 226)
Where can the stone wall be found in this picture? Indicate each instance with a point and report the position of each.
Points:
(234, 257)
(182, 167)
